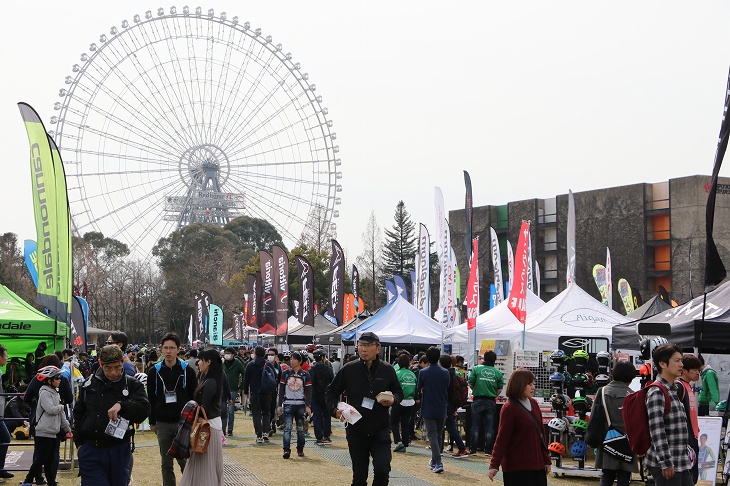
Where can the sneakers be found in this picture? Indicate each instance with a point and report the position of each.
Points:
(230, 434)
(259, 440)
(319, 442)
(300, 452)
(438, 468)
(400, 448)
(265, 437)
(6, 475)
(431, 464)
(472, 452)
(327, 439)
(460, 455)
(287, 454)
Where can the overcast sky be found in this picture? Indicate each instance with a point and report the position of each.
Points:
(533, 98)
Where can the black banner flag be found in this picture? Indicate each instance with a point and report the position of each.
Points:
(306, 291)
(337, 283)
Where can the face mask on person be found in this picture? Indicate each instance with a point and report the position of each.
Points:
(270, 358)
(228, 357)
(253, 355)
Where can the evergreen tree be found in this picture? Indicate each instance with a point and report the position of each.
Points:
(399, 251)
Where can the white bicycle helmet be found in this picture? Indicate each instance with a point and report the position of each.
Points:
(141, 377)
(557, 424)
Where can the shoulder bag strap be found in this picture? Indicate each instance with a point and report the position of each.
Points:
(532, 417)
(605, 409)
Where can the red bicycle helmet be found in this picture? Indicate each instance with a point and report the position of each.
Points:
(48, 372)
(557, 448)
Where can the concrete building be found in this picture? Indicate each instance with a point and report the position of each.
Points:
(656, 234)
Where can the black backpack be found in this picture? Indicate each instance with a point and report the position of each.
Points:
(268, 379)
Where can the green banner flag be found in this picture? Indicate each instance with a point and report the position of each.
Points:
(43, 180)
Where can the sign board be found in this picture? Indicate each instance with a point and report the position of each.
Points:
(527, 359)
(709, 439)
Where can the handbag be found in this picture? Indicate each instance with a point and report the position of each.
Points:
(615, 443)
(200, 432)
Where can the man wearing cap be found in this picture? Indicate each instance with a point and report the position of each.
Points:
(109, 398)
(362, 380)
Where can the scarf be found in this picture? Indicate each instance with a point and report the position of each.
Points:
(180, 447)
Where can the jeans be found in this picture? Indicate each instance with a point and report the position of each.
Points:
(227, 411)
(322, 420)
(45, 447)
(622, 478)
(361, 448)
(260, 411)
(298, 413)
(166, 431)
(434, 428)
(680, 478)
(482, 415)
(400, 418)
(454, 434)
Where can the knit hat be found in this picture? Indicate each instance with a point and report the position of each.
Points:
(110, 354)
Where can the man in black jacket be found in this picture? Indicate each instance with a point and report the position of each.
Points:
(109, 399)
(258, 400)
(362, 380)
(321, 375)
(171, 383)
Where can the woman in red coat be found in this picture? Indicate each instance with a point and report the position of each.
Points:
(520, 449)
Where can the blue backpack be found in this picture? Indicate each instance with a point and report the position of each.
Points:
(268, 379)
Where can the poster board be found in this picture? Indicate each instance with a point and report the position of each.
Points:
(709, 439)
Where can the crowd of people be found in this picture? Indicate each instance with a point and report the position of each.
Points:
(97, 400)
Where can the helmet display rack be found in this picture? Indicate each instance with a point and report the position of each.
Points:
(581, 405)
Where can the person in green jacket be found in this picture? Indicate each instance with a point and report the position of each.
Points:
(486, 383)
(710, 389)
(234, 371)
(400, 413)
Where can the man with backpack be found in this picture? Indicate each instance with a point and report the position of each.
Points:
(259, 383)
(458, 393)
(486, 383)
(669, 457)
(321, 375)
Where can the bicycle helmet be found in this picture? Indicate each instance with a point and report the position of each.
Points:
(580, 379)
(48, 372)
(557, 448)
(141, 377)
(568, 378)
(579, 404)
(558, 356)
(557, 424)
(580, 424)
(589, 404)
(578, 449)
(287, 354)
(558, 400)
(644, 349)
(658, 341)
(557, 377)
(602, 379)
(581, 354)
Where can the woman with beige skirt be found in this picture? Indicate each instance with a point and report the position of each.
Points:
(206, 469)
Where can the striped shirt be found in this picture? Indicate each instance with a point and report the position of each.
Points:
(668, 433)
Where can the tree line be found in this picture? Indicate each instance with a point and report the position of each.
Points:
(145, 298)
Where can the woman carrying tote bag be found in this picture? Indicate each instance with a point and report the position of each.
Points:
(206, 469)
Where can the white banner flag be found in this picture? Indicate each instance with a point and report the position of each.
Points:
(570, 274)
(537, 277)
(422, 292)
(510, 263)
(529, 263)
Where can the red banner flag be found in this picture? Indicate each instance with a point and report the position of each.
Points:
(518, 290)
(472, 288)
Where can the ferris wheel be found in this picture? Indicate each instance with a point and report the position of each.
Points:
(188, 116)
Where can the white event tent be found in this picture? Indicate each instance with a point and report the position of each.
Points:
(573, 312)
(401, 323)
(491, 321)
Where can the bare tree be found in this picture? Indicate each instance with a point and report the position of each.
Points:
(370, 263)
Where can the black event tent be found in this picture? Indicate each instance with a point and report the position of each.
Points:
(651, 307)
(301, 334)
(688, 329)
